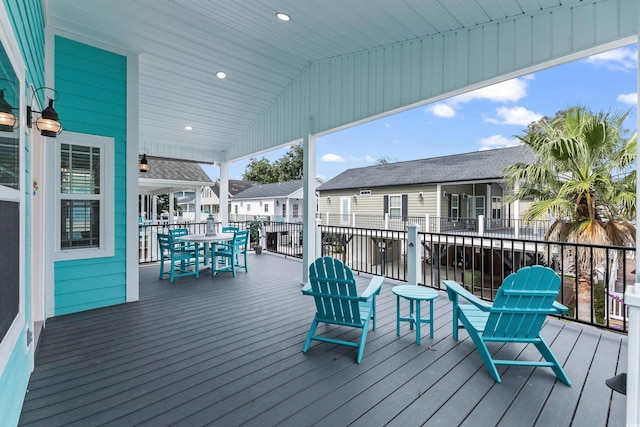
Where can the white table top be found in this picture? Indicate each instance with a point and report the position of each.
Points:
(195, 238)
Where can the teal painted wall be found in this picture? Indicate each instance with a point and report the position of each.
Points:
(27, 20)
(92, 87)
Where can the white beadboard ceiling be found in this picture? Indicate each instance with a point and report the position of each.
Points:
(183, 43)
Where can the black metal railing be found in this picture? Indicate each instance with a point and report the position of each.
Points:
(594, 294)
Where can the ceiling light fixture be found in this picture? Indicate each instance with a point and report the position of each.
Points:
(221, 75)
(283, 16)
(187, 127)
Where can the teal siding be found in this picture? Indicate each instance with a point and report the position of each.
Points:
(28, 26)
(92, 87)
(13, 384)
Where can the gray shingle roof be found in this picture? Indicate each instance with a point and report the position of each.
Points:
(478, 165)
(261, 191)
(175, 170)
(235, 186)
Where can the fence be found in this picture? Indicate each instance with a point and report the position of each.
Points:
(593, 277)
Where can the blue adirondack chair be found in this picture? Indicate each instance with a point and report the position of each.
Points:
(180, 258)
(333, 287)
(520, 308)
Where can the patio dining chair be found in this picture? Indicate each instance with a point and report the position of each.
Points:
(183, 261)
(519, 310)
(226, 256)
(176, 233)
(333, 287)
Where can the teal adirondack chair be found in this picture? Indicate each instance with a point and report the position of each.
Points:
(520, 308)
(333, 287)
(181, 258)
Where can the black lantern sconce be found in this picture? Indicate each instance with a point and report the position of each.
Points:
(144, 164)
(8, 120)
(48, 123)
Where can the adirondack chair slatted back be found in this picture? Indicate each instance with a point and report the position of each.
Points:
(522, 303)
(335, 292)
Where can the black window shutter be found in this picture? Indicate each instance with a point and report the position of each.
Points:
(386, 205)
(405, 207)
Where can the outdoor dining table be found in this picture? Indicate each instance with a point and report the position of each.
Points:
(207, 241)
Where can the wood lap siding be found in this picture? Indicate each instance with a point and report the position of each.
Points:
(92, 87)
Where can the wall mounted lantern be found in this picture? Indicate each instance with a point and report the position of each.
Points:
(8, 120)
(48, 123)
(144, 164)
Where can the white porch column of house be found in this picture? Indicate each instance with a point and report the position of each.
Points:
(516, 213)
(198, 208)
(155, 207)
(489, 207)
(224, 193)
(632, 299)
(171, 208)
(309, 202)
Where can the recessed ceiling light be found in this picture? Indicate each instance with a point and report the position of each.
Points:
(187, 127)
(221, 74)
(283, 16)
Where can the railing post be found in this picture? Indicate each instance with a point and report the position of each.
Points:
(414, 266)
(353, 220)
(480, 225)
(318, 239)
(386, 221)
(427, 223)
(516, 229)
(327, 220)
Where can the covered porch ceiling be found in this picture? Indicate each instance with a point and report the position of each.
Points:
(335, 63)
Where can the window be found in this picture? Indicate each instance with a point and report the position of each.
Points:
(235, 209)
(248, 207)
(365, 192)
(345, 208)
(85, 196)
(496, 207)
(454, 211)
(284, 210)
(266, 207)
(480, 208)
(295, 210)
(395, 206)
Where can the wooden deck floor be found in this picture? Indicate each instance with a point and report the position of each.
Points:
(227, 351)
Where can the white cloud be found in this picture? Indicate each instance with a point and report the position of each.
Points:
(514, 116)
(333, 158)
(387, 125)
(508, 91)
(369, 159)
(622, 59)
(628, 98)
(497, 141)
(441, 110)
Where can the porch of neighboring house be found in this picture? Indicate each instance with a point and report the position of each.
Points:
(228, 351)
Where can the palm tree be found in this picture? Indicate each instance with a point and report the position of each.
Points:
(583, 177)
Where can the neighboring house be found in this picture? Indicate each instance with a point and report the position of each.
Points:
(179, 178)
(235, 186)
(279, 202)
(451, 190)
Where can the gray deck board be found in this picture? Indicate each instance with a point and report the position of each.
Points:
(227, 351)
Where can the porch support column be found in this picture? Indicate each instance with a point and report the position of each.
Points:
(632, 299)
(155, 208)
(198, 201)
(171, 208)
(224, 193)
(309, 202)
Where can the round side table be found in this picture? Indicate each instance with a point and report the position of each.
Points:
(414, 293)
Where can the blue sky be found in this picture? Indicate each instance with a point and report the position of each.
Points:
(483, 119)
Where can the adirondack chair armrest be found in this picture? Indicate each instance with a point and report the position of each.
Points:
(306, 288)
(560, 308)
(374, 287)
(454, 290)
